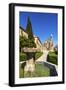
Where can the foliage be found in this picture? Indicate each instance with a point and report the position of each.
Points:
(29, 29)
(56, 49)
(38, 54)
(53, 58)
(56, 52)
(23, 41)
(23, 57)
(31, 42)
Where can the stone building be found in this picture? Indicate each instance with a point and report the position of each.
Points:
(22, 32)
(38, 43)
(48, 44)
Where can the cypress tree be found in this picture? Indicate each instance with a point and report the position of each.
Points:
(31, 42)
(29, 29)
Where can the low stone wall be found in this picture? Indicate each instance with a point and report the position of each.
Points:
(52, 68)
(30, 49)
(53, 71)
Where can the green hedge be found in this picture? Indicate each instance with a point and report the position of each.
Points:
(56, 52)
(23, 57)
(38, 54)
(53, 58)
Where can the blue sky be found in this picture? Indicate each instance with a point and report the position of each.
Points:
(43, 24)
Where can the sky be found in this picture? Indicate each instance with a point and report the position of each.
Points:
(43, 24)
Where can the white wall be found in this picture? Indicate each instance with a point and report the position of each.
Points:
(4, 44)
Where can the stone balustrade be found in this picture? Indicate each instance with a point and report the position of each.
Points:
(30, 49)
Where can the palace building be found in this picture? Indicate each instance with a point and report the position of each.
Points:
(22, 32)
(38, 43)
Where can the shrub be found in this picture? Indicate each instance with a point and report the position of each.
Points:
(23, 41)
(38, 54)
(56, 49)
(23, 57)
(56, 52)
(31, 43)
(52, 57)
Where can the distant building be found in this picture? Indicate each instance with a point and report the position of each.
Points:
(48, 44)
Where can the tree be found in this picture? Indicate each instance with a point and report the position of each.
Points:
(23, 42)
(31, 42)
(29, 29)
